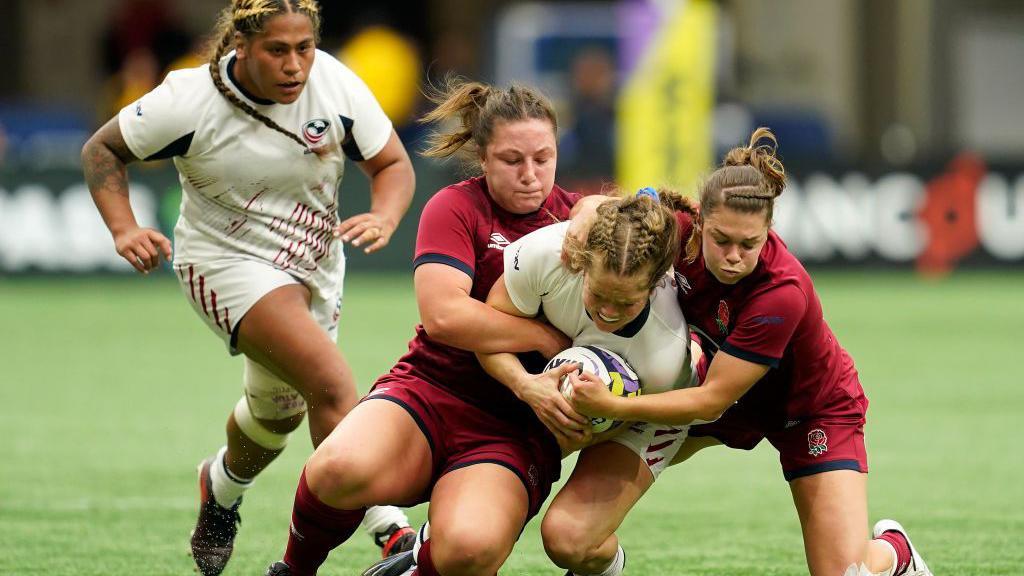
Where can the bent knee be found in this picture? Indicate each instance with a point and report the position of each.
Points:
(568, 542)
(342, 478)
(469, 551)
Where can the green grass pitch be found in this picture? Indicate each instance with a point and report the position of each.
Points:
(111, 391)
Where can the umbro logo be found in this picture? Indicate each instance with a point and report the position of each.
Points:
(498, 241)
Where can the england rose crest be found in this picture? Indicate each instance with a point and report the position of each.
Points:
(722, 320)
(817, 442)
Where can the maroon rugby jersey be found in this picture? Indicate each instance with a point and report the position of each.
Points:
(461, 226)
(771, 317)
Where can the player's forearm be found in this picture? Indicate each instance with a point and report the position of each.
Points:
(106, 176)
(505, 368)
(675, 407)
(391, 191)
(467, 323)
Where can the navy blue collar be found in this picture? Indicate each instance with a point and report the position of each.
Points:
(634, 326)
(231, 76)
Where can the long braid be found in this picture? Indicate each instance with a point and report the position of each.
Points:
(247, 16)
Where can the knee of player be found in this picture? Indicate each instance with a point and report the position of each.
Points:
(326, 388)
(338, 475)
(264, 430)
(472, 550)
(567, 541)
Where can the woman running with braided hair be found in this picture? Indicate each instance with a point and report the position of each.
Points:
(772, 368)
(259, 136)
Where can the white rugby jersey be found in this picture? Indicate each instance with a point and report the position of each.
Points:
(248, 190)
(656, 343)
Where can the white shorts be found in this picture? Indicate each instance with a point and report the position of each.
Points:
(655, 444)
(222, 292)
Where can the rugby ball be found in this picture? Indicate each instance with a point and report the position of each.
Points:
(606, 365)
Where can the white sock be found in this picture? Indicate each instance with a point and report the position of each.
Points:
(227, 487)
(616, 567)
(379, 518)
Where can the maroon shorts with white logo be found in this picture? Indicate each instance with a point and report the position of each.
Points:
(805, 447)
(461, 434)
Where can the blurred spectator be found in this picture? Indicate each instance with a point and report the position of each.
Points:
(139, 74)
(148, 24)
(142, 40)
(588, 145)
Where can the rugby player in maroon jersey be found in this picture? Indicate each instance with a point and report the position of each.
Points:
(774, 370)
(437, 427)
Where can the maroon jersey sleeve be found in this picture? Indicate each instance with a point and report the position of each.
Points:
(446, 231)
(765, 325)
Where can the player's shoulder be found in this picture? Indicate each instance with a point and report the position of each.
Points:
(665, 309)
(190, 80)
(541, 249)
(781, 269)
(466, 195)
(329, 70)
(561, 201)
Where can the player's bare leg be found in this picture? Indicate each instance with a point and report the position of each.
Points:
(281, 339)
(832, 507)
(281, 335)
(579, 526)
(476, 514)
(377, 454)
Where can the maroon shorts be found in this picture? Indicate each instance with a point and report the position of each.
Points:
(461, 434)
(833, 441)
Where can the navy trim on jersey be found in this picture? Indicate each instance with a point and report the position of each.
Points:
(231, 76)
(749, 356)
(177, 148)
(634, 326)
(819, 468)
(415, 416)
(348, 143)
(432, 258)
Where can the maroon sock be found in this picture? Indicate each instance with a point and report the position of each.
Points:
(902, 547)
(316, 530)
(424, 564)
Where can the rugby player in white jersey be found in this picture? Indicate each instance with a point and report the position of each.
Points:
(259, 136)
(608, 284)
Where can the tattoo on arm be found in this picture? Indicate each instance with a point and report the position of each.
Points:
(104, 158)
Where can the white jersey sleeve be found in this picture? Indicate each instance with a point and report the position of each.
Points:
(162, 122)
(368, 129)
(533, 266)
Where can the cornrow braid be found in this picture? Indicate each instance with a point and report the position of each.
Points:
(633, 234)
(248, 17)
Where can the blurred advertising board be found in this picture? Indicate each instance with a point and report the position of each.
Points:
(960, 214)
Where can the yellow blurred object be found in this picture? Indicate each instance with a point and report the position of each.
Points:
(390, 65)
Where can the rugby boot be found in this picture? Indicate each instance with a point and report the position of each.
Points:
(394, 540)
(917, 566)
(395, 565)
(278, 569)
(213, 538)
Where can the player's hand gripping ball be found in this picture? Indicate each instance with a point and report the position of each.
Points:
(608, 366)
